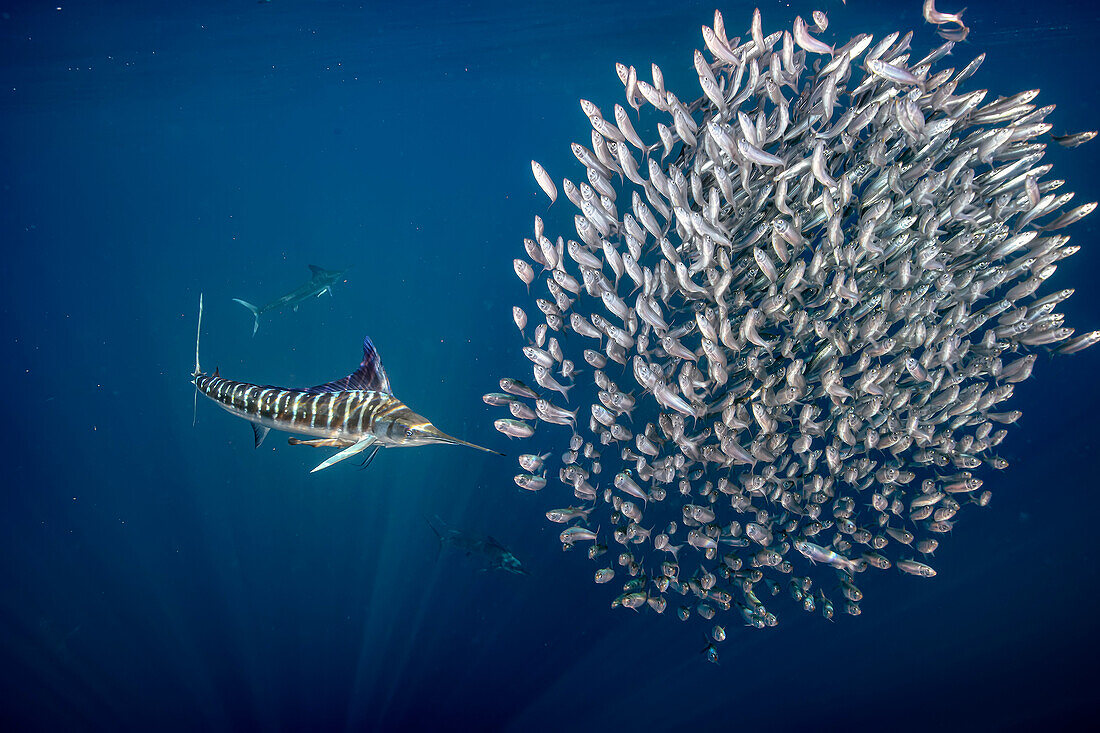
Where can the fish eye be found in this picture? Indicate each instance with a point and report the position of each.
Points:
(408, 432)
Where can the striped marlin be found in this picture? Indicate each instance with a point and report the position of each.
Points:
(354, 413)
(320, 282)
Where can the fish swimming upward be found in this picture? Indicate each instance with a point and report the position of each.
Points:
(355, 412)
(320, 282)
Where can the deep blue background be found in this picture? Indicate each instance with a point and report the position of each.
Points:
(156, 575)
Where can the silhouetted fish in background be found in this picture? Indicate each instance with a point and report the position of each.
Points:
(496, 555)
(355, 412)
(321, 283)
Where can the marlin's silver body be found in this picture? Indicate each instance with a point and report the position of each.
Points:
(354, 413)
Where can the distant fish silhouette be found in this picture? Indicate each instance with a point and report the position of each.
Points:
(495, 555)
(321, 283)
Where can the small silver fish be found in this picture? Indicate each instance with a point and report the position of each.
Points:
(544, 181)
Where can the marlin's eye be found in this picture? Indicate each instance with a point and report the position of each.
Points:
(408, 432)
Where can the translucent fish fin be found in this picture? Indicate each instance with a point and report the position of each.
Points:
(370, 457)
(255, 314)
(322, 442)
(369, 376)
(347, 453)
(259, 432)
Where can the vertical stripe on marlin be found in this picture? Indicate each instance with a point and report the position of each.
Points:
(313, 411)
(280, 409)
(347, 400)
(301, 410)
(335, 406)
(271, 399)
(331, 409)
(362, 407)
(371, 409)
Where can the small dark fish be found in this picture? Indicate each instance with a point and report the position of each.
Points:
(495, 555)
(1074, 139)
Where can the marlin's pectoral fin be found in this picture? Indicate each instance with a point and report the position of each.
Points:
(260, 432)
(370, 457)
(322, 442)
(347, 452)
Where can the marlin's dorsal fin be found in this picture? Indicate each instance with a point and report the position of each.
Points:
(369, 376)
(317, 271)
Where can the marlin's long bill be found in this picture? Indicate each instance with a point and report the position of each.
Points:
(441, 437)
(352, 413)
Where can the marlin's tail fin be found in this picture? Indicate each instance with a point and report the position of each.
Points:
(255, 313)
(198, 370)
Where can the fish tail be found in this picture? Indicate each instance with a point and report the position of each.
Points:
(198, 332)
(255, 314)
(433, 528)
(198, 369)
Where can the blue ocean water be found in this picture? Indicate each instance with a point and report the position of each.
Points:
(159, 576)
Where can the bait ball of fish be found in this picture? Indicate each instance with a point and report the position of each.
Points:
(803, 304)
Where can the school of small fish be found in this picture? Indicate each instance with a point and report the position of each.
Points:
(796, 314)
